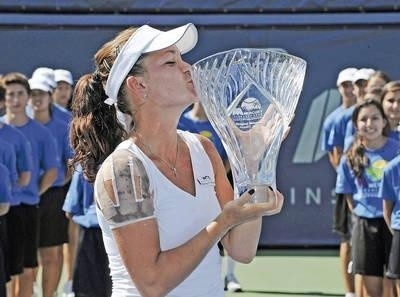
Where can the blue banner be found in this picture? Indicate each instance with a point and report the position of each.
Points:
(303, 174)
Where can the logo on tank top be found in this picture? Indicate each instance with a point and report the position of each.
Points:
(205, 180)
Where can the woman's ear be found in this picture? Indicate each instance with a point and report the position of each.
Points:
(136, 86)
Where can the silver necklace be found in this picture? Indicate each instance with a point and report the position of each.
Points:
(148, 148)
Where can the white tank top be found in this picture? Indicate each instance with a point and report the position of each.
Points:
(180, 216)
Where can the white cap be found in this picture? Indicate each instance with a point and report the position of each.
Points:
(144, 40)
(346, 74)
(40, 83)
(363, 73)
(47, 73)
(63, 75)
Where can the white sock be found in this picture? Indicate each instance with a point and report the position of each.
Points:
(230, 266)
(350, 294)
(68, 286)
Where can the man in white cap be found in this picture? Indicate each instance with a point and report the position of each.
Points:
(345, 87)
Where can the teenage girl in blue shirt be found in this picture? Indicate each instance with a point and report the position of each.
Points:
(359, 175)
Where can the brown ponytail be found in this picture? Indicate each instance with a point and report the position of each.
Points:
(95, 130)
(356, 157)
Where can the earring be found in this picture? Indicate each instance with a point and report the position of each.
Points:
(145, 96)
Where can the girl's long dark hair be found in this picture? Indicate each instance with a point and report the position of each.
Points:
(356, 157)
(95, 130)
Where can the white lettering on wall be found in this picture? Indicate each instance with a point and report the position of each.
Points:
(311, 196)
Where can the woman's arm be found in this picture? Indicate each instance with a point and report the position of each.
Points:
(241, 241)
(349, 201)
(387, 213)
(122, 189)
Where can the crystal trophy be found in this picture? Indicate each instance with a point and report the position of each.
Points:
(250, 96)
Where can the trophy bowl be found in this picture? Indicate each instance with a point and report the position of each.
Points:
(250, 96)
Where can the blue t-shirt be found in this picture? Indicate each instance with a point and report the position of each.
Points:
(327, 127)
(44, 157)
(61, 113)
(365, 190)
(59, 130)
(80, 202)
(338, 131)
(23, 153)
(202, 127)
(5, 184)
(390, 190)
(21, 145)
(8, 159)
(350, 137)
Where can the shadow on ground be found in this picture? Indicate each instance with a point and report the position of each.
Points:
(294, 293)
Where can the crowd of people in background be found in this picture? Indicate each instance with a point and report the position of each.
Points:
(48, 217)
(362, 138)
(47, 213)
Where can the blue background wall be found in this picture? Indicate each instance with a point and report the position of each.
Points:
(329, 37)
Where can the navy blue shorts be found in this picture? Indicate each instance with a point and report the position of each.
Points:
(23, 239)
(53, 224)
(342, 223)
(91, 274)
(371, 241)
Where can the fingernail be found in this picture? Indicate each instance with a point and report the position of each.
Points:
(251, 191)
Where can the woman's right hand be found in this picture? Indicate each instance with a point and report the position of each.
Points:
(243, 209)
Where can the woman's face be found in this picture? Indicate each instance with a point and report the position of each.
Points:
(40, 100)
(62, 93)
(391, 105)
(370, 123)
(168, 78)
(375, 82)
(359, 89)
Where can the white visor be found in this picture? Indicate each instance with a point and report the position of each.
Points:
(144, 40)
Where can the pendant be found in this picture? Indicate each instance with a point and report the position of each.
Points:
(174, 171)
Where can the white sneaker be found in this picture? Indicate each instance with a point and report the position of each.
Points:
(232, 284)
(67, 290)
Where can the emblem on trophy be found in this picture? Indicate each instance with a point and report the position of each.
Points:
(250, 96)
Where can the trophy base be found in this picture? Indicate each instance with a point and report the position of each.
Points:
(264, 194)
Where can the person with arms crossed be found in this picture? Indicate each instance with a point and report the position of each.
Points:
(163, 198)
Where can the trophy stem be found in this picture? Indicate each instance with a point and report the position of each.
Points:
(261, 195)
